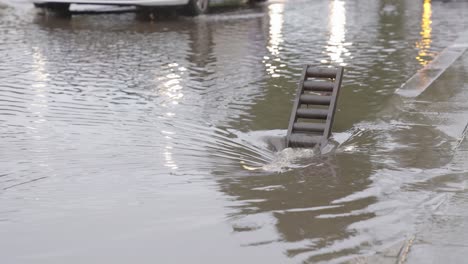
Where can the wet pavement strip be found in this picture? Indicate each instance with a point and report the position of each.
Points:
(419, 82)
(441, 221)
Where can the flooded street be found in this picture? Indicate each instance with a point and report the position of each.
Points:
(129, 140)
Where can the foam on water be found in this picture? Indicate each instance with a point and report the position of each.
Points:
(284, 159)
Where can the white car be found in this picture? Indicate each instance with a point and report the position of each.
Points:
(192, 7)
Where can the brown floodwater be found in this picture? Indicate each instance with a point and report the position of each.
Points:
(130, 140)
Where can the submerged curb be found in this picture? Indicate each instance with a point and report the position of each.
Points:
(419, 82)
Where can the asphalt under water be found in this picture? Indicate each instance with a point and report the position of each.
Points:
(125, 140)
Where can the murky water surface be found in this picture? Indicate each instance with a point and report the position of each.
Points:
(125, 140)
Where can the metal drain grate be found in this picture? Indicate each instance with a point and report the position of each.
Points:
(314, 108)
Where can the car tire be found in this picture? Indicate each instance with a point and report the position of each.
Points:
(252, 2)
(39, 5)
(197, 7)
(62, 9)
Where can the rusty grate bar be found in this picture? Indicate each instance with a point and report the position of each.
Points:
(314, 107)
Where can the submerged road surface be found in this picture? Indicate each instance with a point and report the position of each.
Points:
(124, 140)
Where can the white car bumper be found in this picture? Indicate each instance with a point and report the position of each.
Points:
(119, 2)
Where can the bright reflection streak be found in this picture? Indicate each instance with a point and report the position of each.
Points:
(40, 101)
(276, 28)
(276, 36)
(426, 29)
(337, 22)
(171, 89)
(169, 161)
(39, 67)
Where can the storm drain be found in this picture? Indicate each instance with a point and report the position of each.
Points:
(314, 107)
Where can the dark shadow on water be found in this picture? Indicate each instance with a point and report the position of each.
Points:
(301, 203)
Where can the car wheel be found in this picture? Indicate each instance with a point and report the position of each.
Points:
(39, 5)
(197, 7)
(58, 8)
(256, 1)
